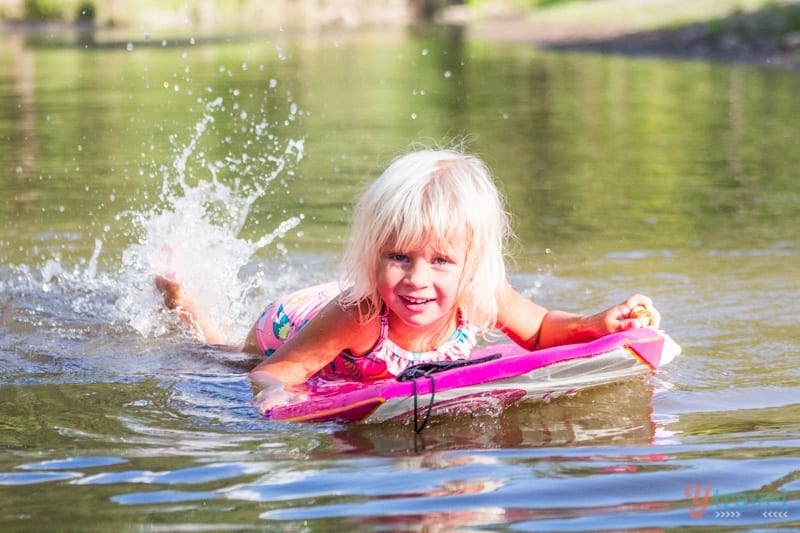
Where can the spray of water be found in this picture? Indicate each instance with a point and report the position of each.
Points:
(194, 234)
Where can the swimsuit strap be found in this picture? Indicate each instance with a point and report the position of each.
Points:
(387, 359)
(457, 346)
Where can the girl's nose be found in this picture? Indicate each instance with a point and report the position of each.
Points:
(418, 273)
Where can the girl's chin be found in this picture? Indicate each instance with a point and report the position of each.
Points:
(414, 311)
(417, 318)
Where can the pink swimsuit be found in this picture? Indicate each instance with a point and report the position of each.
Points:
(287, 315)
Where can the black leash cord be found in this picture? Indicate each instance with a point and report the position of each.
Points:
(417, 427)
(425, 370)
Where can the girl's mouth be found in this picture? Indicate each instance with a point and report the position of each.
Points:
(415, 301)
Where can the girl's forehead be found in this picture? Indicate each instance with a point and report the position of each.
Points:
(455, 240)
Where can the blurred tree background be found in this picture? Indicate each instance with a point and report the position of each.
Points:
(120, 12)
(766, 31)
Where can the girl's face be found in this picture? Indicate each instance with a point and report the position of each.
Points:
(419, 288)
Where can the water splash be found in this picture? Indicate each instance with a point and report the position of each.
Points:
(97, 318)
(194, 234)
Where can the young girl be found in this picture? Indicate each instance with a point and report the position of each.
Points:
(423, 275)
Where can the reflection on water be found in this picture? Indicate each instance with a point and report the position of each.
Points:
(597, 420)
(237, 159)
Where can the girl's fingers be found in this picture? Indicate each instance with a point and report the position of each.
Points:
(643, 315)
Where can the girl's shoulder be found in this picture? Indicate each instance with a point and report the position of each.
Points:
(347, 323)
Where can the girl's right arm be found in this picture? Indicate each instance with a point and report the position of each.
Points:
(532, 326)
(332, 331)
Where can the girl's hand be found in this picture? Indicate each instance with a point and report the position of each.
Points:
(636, 312)
(271, 392)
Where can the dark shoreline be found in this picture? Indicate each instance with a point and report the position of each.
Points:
(770, 37)
(699, 45)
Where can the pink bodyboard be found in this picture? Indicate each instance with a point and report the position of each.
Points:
(634, 352)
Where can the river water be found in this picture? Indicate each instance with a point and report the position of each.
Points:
(242, 154)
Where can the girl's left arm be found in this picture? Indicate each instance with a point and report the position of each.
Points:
(532, 326)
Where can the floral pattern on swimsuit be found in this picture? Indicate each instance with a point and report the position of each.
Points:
(286, 316)
(387, 359)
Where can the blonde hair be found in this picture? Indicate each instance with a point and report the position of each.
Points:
(431, 197)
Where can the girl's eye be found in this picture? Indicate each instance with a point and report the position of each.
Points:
(397, 257)
(441, 261)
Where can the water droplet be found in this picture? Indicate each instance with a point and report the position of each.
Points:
(447, 73)
(129, 47)
(413, 116)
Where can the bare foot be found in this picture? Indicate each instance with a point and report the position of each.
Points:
(175, 298)
(171, 290)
